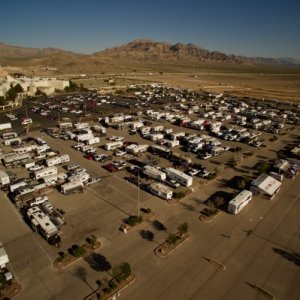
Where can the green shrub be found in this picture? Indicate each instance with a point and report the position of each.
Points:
(113, 285)
(211, 176)
(183, 228)
(232, 162)
(172, 239)
(263, 167)
(77, 251)
(107, 290)
(91, 240)
(209, 212)
(133, 220)
(179, 195)
(3, 282)
(122, 271)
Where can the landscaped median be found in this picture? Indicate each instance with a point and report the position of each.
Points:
(133, 221)
(207, 214)
(173, 241)
(122, 278)
(8, 290)
(76, 253)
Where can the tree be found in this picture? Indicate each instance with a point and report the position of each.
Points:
(72, 87)
(241, 183)
(98, 262)
(11, 94)
(172, 239)
(40, 93)
(2, 101)
(122, 271)
(232, 162)
(183, 228)
(263, 167)
(18, 88)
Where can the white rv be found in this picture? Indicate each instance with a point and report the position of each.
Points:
(179, 176)
(160, 190)
(154, 173)
(239, 202)
(71, 186)
(113, 145)
(4, 178)
(45, 172)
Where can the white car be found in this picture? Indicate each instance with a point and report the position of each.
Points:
(119, 153)
(26, 121)
(93, 180)
(193, 172)
(36, 168)
(38, 200)
(206, 156)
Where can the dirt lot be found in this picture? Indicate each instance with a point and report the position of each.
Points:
(262, 86)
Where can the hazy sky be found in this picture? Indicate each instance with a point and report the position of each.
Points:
(269, 28)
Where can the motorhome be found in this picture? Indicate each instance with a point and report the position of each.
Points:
(160, 190)
(179, 176)
(113, 145)
(4, 178)
(239, 202)
(5, 126)
(153, 172)
(42, 223)
(45, 172)
(72, 186)
(9, 135)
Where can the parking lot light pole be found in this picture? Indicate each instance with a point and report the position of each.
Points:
(138, 200)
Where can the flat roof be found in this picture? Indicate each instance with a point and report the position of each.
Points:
(240, 197)
(42, 219)
(161, 187)
(267, 184)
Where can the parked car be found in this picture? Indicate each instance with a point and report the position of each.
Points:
(93, 180)
(120, 153)
(172, 183)
(193, 172)
(205, 156)
(36, 168)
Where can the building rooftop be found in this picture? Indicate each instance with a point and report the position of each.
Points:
(267, 184)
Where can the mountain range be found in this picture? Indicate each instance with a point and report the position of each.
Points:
(133, 53)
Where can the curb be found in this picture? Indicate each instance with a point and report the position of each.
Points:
(156, 250)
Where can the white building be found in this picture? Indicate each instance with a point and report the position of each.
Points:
(265, 185)
(31, 85)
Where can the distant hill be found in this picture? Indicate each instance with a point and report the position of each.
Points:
(136, 53)
(161, 51)
(288, 61)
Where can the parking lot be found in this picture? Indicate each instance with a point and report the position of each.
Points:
(261, 236)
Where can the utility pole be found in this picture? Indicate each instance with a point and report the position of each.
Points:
(138, 202)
